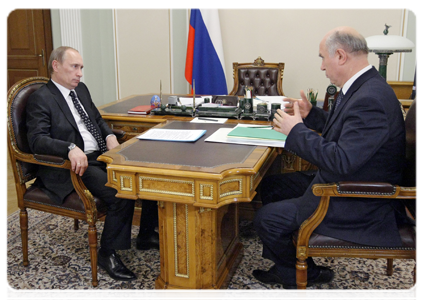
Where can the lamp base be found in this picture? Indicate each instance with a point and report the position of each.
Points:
(383, 62)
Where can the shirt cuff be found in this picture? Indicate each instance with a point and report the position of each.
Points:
(109, 135)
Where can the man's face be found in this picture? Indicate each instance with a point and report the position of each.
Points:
(329, 64)
(69, 72)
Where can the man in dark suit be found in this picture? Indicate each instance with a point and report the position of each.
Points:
(62, 120)
(362, 139)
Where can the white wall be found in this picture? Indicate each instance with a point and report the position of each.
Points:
(99, 54)
(143, 47)
(293, 36)
(150, 45)
(278, 35)
(409, 60)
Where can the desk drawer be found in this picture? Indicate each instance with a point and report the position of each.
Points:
(132, 129)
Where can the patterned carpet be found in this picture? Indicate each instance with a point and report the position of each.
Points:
(59, 259)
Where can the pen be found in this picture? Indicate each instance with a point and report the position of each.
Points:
(206, 119)
(259, 127)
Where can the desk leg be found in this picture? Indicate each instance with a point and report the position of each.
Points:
(199, 248)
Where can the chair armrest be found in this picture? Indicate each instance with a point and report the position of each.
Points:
(49, 159)
(80, 188)
(41, 159)
(346, 189)
(119, 133)
(366, 188)
(360, 189)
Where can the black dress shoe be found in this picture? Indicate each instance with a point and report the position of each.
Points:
(325, 275)
(272, 277)
(114, 267)
(148, 243)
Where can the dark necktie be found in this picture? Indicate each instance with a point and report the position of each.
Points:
(339, 99)
(89, 124)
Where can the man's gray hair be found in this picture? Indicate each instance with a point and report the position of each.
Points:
(58, 54)
(349, 42)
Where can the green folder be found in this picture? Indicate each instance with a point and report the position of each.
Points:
(257, 133)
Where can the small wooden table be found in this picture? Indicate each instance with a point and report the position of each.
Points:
(198, 187)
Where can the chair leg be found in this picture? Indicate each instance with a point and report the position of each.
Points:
(75, 224)
(301, 274)
(390, 267)
(417, 280)
(92, 241)
(23, 218)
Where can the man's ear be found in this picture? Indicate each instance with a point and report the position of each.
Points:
(342, 56)
(55, 65)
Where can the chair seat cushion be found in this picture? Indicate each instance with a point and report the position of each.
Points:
(72, 201)
(407, 233)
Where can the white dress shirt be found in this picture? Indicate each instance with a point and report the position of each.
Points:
(90, 143)
(350, 81)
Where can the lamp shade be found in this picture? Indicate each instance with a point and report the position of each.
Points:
(389, 43)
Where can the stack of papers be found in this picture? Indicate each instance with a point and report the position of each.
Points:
(248, 134)
(257, 132)
(173, 135)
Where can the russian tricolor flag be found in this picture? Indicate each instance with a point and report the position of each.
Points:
(205, 63)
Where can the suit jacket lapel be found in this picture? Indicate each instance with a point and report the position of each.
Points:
(354, 87)
(57, 95)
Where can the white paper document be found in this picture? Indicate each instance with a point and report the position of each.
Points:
(175, 135)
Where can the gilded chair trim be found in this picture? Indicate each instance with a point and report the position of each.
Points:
(361, 247)
(394, 189)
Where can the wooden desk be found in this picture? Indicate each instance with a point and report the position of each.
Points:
(115, 114)
(197, 186)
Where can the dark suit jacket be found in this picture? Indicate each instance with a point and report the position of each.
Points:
(363, 140)
(51, 129)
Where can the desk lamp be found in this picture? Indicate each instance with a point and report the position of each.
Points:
(385, 45)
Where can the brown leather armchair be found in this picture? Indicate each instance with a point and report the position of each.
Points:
(265, 78)
(310, 244)
(79, 205)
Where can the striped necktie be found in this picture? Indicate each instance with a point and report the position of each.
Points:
(90, 126)
(339, 99)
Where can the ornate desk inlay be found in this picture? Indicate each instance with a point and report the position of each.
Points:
(198, 190)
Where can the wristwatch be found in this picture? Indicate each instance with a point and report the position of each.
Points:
(71, 146)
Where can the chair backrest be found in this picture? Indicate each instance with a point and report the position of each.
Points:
(411, 176)
(265, 78)
(17, 98)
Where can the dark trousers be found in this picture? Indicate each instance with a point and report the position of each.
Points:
(276, 221)
(117, 226)
(149, 219)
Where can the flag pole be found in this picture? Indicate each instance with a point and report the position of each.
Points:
(161, 91)
(193, 97)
